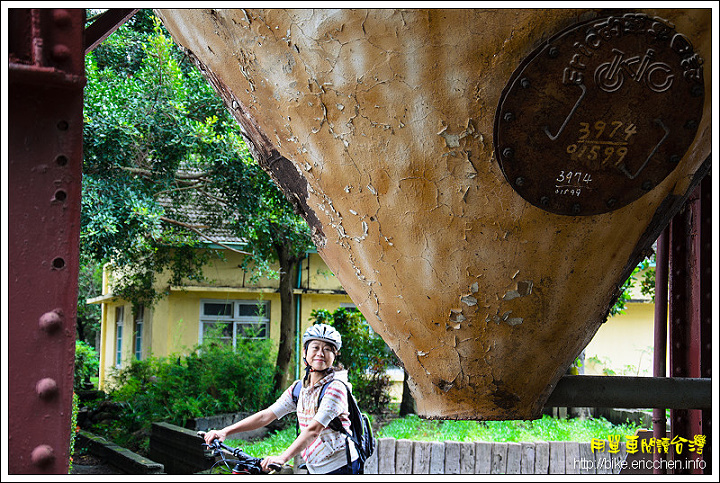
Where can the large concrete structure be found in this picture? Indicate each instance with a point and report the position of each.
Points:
(481, 181)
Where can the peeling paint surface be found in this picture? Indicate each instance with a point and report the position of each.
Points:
(387, 116)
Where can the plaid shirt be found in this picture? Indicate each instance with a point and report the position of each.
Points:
(327, 452)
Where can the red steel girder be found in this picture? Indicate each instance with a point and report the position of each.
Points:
(45, 103)
(106, 23)
(690, 319)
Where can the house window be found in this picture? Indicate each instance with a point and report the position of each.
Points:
(139, 317)
(229, 320)
(119, 316)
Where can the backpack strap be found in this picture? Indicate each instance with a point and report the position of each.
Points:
(296, 390)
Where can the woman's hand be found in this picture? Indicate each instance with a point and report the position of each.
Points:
(272, 460)
(214, 434)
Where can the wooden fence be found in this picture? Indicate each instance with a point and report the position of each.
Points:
(404, 456)
(180, 451)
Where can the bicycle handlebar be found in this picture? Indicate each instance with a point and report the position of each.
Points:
(244, 461)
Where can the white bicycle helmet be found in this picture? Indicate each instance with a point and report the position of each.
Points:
(323, 332)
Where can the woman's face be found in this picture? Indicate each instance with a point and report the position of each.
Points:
(320, 355)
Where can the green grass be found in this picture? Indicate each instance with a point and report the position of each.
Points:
(417, 429)
(544, 429)
(273, 444)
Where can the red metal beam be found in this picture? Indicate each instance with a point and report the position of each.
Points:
(106, 24)
(45, 103)
(660, 337)
(687, 291)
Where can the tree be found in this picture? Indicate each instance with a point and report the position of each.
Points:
(165, 167)
(88, 315)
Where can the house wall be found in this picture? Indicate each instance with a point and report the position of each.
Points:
(173, 324)
(624, 344)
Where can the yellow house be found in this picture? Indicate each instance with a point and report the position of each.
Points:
(624, 343)
(188, 313)
(184, 316)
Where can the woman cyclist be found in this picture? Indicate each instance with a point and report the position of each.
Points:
(323, 449)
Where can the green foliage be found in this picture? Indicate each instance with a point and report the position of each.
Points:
(543, 429)
(647, 285)
(73, 428)
(88, 315)
(166, 168)
(364, 354)
(213, 379)
(87, 364)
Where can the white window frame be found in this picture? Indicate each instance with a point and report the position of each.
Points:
(138, 335)
(119, 323)
(236, 318)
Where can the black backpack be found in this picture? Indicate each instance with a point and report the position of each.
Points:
(361, 430)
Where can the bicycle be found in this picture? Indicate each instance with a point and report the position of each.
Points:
(241, 463)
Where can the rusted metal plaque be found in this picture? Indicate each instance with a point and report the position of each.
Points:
(600, 114)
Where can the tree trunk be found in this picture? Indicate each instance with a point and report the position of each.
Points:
(407, 404)
(286, 349)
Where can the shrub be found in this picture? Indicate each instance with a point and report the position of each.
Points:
(213, 379)
(365, 356)
(87, 364)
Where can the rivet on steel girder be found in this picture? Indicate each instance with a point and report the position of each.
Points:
(42, 455)
(62, 18)
(51, 321)
(61, 52)
(46, 388)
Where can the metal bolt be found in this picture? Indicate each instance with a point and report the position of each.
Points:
(61, 17)
(576, 209)
(42, 455)
(46, 388)
(61, 52)
(611, 202)
(697, 90)
(509, 116)
(691, 124)
(544, 201)
(520, 181)
(675, 159)
(525, 82)
(647, 185)
(51, 321)
(553, 52)
(508, 153)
